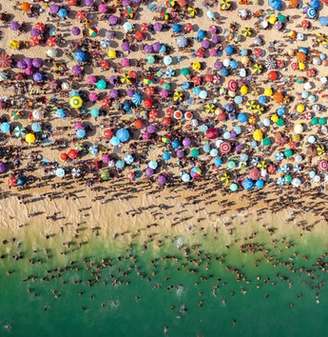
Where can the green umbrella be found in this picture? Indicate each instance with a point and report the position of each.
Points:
(194, 152)
(231, 165)
(101, 85)
(281, 18)
(266, 141)
(288, 153)
(233, 187)
(280, 122)
(322, 121)
(288, 179)
(314, 121)
(300, 80)
(185, 71)
(150, 59)
(19, 131)
(105, 175)
(166, 86)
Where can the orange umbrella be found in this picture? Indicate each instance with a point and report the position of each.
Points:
(301, 57)
(139, 36)
(25, 6)
(293, 3)
(278, 97)
(138, 124)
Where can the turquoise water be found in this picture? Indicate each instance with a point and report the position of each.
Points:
(184, 303)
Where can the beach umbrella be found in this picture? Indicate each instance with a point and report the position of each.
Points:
(225, 4)
(167, 60)
(114, 141)
(123, 135)
(170, 72)
(257, 69)
(280, 181)
(36, 127)
(255, 174)
(137, 99)
(158, 27)
(185, 177)
(80, 133)
(248, 184)
(279, 156)
(323, 165)
(288, 179)
(225, 147)
(5, 127)
(181, 42)
(30, 138)
(178, 96)
(5, 60)
(12, 181)
(2, 167)
(14, 44)
(104, 175)
(62, 13)
(297, 168)
(311, 13)
(250, 105)
(19, 131)
(120, 164)
(311, 151)
(296, 182)
(150, 59)
(14, 25)
(246, 31)
(72, 154)
(75, 102)
(149, 172)
(93, 149)
(127, 26)
(128, 159)
(225, 177)
(209, 108)
(51, 42)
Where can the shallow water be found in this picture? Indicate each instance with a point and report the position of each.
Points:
(114, 310)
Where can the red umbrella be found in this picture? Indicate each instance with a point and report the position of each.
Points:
(153, 114)
(225, 147)
(169, 112)
(255, 174)
(271, 169)
(208, 78)
(72, 2)
(20, 76)
(106, 102)
(131, 176)
(200, 52)
(292, 145)
(197, 80)
(104, 65)
(34, 41)
(40, 26)
(166, 121)
(138, 124)
(310, 73)
(133, 74)
(212, 133)
(257, 52)
(280, 63)
(232, 85)
(148, 103)
(5, 60)
(108, 133)
(149, 91)
(12, 181)
(144, 27)
(323, 165)
(139, 36)
(294, 66)
(81, 15)
(72, 154)
(222, 117)
(51, 42)
(63, 156)
(305, 24)
(188, 27)
(273, 75)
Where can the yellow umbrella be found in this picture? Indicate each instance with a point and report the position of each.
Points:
(30, 138)
(252, 120)
(300, 108)
(246, 31)
(301, 66)
(320, 150)
(259, 109)
(192, 11)
(209, 108)
(225, 4)
(262, 165)
(75, 102)
(268, 92)
(244, 90)
(255, 91)
(225, 177)
(250, 105)
(125, 79)
(178, 96)
(296, 138)
(112, 54)
(258, 135)
(274, 118)
(272, 19)
(14, 44)
(257, 68)
(196, 65)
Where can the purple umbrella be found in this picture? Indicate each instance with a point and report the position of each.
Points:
(186, 142)
(205, 44)
(125, 62)
(105, 158)
(29, 70)
(239, 148)
(232, 115)
(113, 80)
(102, 8)
(156, 47)
(54, 8)
(76, 70)
(137, 1)
(161, 179)
(93, 96)
(213, 52)
(151, 128)
(146, 136)
(89, 3)
(180, 153)
(109, 35)
(148, 49)
(76, 31)
(218, 65)
(164, 93)
(37, 77)
(35, 32)
(126, 3)
(233, 134)
(92, 79)
(14, 25)
(2, 167)
(113, 93)
(113, 20)
(158, 26)
(215, 39)
(125, 46)
(149, 172)
(37, 63)
(28, 61)
(21, 64)
(130, 92)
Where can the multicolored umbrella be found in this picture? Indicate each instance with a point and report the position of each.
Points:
(5, 60)
(19, 131)
(209, 108)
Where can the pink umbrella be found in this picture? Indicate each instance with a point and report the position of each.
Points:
(92, 79)
(146, 136)
(78, 126)
(29, 71)
(213, 52)
(125, 62)
(93, 96)
(105, 158)
(255, 174)
(164, 93)
(212, 29)
(102, 8)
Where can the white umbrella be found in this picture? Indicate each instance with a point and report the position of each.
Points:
(298, 128)
(37, 114)
(311, 139)
(298, 158)
(76, 172)
(271, 64)
(296, 182)
(167, 60)
(52, 52)
(316, 179)
(226, 62)
(127, 26)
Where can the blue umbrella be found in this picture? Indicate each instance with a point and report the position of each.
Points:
(153, 164)
(128, 159)
(218, 162)
(279, 156)
(242, 118)
(94, 112)
(323, 20)
(104, 43)
(280, 181)
(93, 149)
(21, 181)
(262, 100)
(315, 4)
(259, 184)
(280, 111)
(36, 127)
(176, 28)
(5, 127)
(120, 164)
(311, 13)
(60, 172)
(255, 161)
(229, 107)
(114, 141)
(181, 42)
(243, 157)
(297, 168)
(163, 49)
(62, 13)
(206, 147)
(203, 128)
(238, 100)
(196, 90)
(137, 99)
(224, 71)
(185, 85)
(80, 55)
(175, 144)
(229, 50)
(170, 72)
(166, 156)
(233, 64)
(237, 129)
(126, 106)
(60, 113)
(80, 133)
(74, 93)
(276, 4)
(123, 135)
(201, 34)
(214, 152)
(284, 168)
(248, 184)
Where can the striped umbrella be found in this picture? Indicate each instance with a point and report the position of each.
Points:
(225, 177)
(250, 105)
(280, 181)
(297, 168)
(284, 168)
(128, 159)
(209, 108)
(19, 131)
(279, 156)
(78, 146)
(93, 149)
(257, 69)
